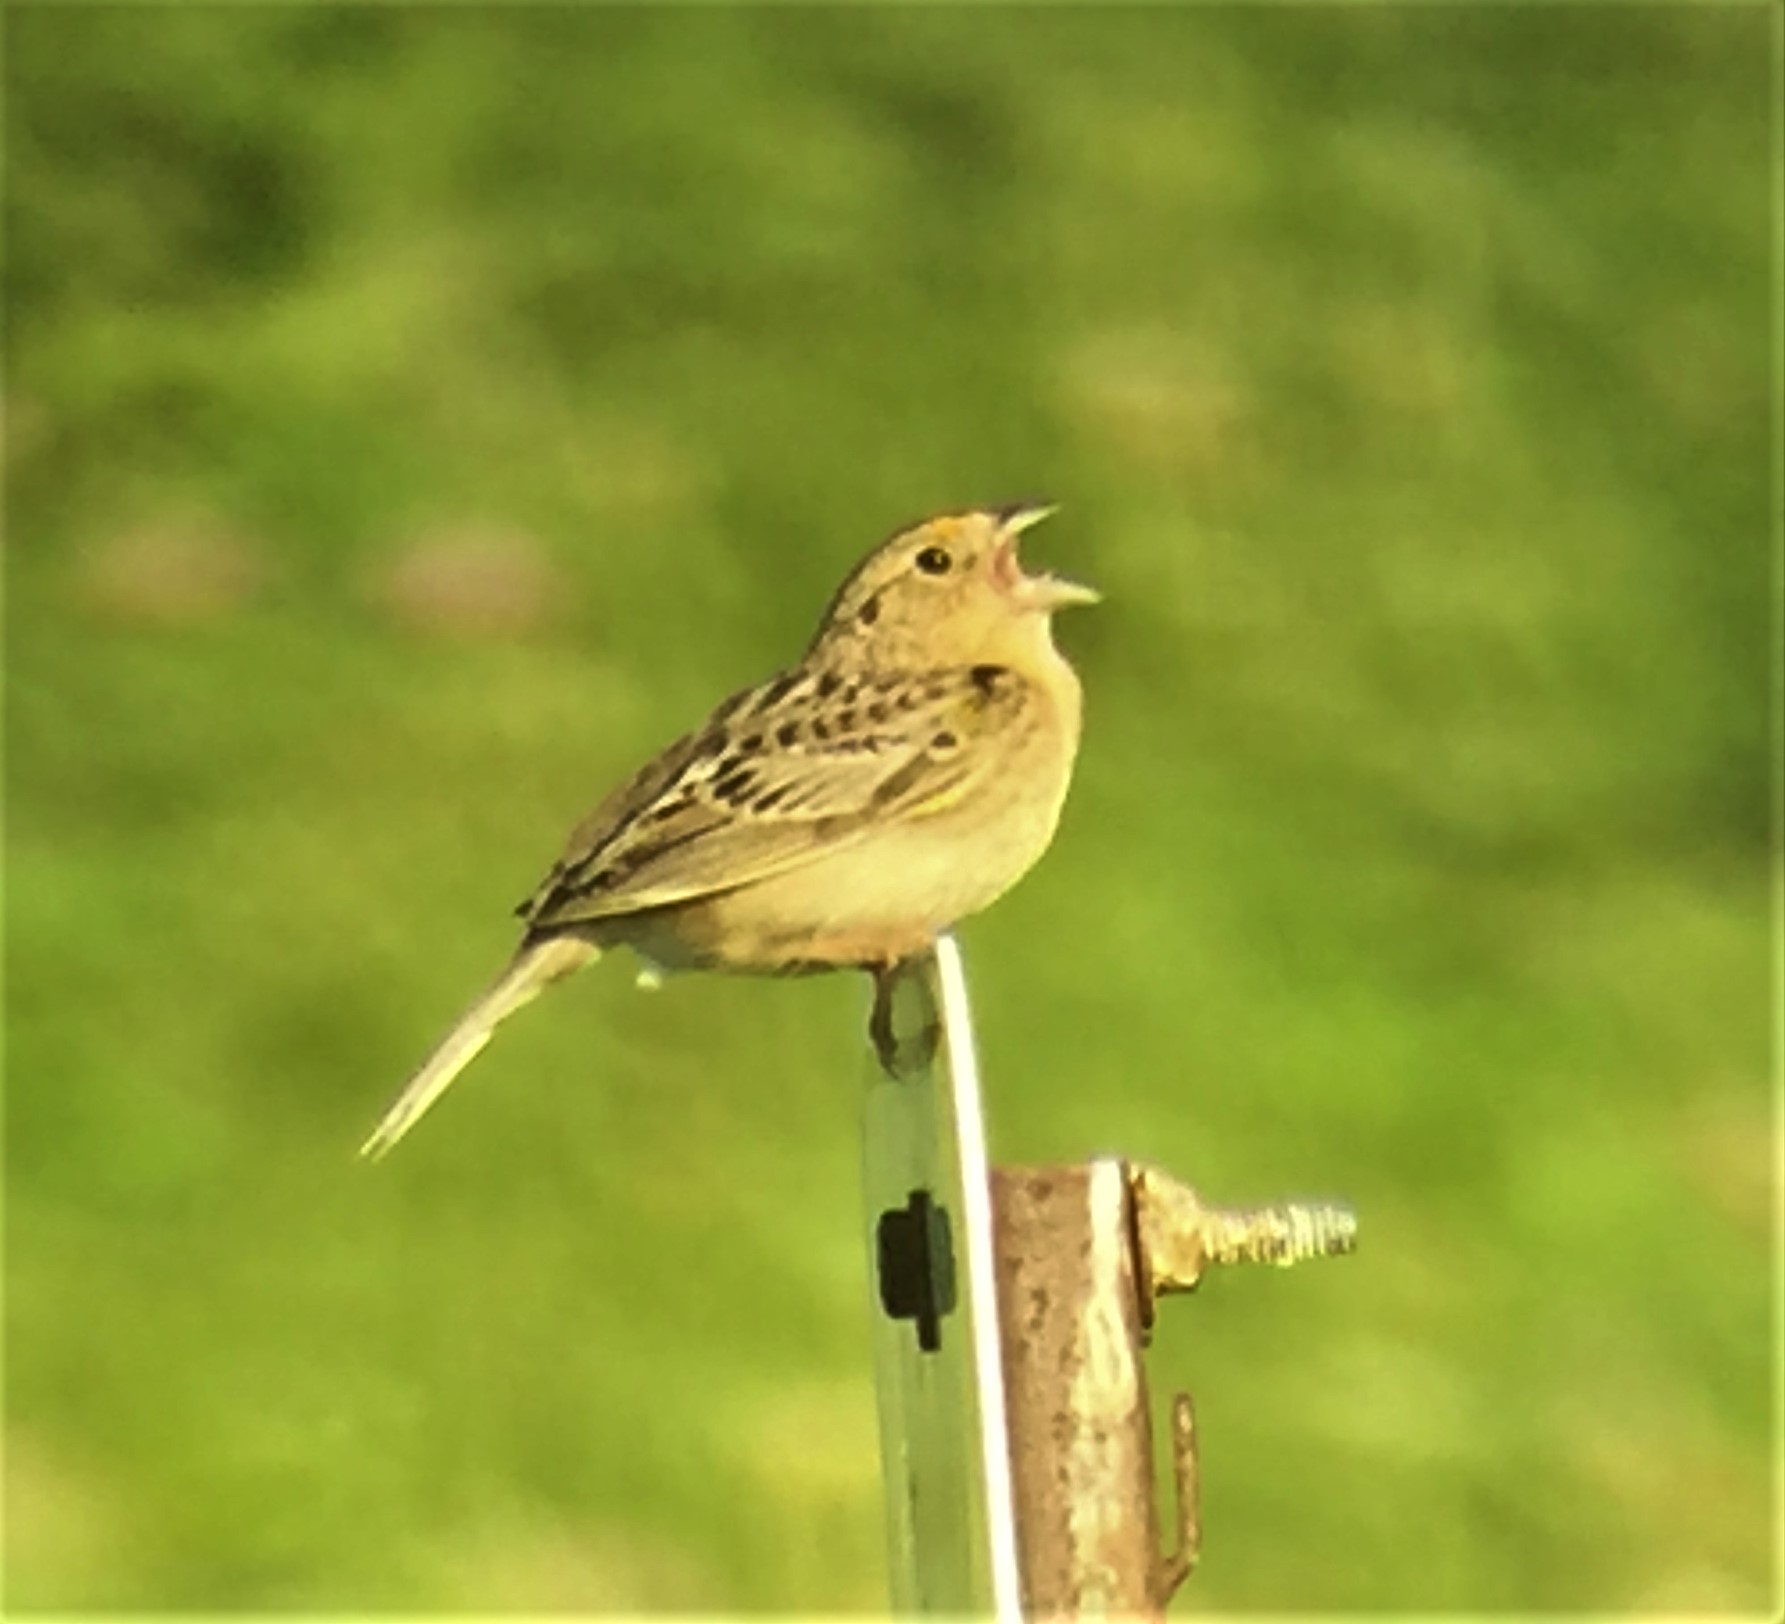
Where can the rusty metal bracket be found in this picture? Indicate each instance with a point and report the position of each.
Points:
(1187, 1480)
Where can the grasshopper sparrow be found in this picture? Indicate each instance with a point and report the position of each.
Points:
(907, 772)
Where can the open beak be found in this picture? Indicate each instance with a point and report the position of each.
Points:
(1041, 593)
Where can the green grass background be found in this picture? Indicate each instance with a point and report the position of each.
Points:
(416, 416)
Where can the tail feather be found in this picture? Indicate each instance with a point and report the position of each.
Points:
(529, 973)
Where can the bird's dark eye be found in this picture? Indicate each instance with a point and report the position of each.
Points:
(935, 560)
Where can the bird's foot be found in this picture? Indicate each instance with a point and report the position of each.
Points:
(905, 1032)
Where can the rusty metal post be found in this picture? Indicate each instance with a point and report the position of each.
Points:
(1081, 1444)
(1083, 1252)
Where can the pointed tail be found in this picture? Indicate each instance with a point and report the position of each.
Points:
(529, 973)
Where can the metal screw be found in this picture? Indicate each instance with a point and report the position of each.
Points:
(1180, 1235)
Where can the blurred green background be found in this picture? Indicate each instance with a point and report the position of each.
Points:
(416, 416)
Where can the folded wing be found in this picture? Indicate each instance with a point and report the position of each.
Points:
(780, 775)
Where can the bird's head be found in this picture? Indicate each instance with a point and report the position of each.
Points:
(949, 590)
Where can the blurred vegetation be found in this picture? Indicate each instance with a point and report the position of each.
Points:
(415, 416)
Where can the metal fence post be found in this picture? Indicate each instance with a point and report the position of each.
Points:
(1012, 1312)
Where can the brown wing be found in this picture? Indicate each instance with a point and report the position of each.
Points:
(781, 774)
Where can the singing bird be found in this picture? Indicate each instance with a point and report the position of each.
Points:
(904, 774)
